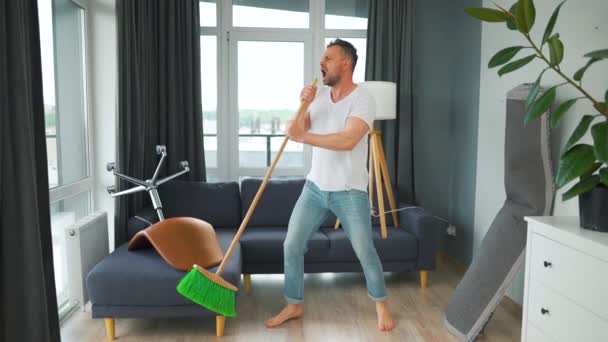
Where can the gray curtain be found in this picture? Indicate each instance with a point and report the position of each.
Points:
(28, 306)
(389, 58)
(159, 94)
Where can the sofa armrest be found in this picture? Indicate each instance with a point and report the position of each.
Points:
(426, 228)
(144, 218)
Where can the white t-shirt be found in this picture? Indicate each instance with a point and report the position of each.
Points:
(340, 170)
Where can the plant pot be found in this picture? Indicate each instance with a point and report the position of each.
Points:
(593, 209)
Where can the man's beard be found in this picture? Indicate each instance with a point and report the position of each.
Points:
(332, 81)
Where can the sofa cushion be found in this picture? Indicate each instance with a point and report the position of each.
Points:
(143, 278)
(217, 203)
(400, 245)
(265, 245)
(275, 205)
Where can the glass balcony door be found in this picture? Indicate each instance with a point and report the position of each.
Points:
(269, 72)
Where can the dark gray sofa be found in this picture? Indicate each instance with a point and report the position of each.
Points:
(140, 284)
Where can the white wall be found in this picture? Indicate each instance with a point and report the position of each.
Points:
(102, 49)
(583, 27)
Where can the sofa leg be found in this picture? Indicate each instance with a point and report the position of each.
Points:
(110, 328)
(423, 279)
(247, 279)
(220, 322)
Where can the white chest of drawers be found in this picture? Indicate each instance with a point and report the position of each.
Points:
(566, 285)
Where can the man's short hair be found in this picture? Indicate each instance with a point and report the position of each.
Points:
(348, 49)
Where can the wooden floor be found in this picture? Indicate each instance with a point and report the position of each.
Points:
(336, 309)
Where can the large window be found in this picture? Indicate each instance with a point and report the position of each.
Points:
(63, 58)
(256, 56)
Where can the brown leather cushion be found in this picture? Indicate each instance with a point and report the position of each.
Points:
(181, 242)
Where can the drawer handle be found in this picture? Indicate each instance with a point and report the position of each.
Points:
(544, 311)
(547, 264)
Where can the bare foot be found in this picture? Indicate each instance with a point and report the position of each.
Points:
(290, 311)
(385, 321)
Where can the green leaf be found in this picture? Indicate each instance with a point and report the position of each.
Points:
(599, 132)
(551, 23)
(581, 187)
(487, 14)
(515, 65)
(556, 50)
(578, 75)
(503, 56)
(579, 131)
(558, 114)
(604, 176)
(574, 163)
(601, 107)
(600, 54)
(591, 170)
(534, 90)
(526, 13)
(511, 23)
(541, 105)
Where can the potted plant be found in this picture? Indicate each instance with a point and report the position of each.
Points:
(578, 161)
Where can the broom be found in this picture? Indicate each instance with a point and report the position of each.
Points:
(211, 290)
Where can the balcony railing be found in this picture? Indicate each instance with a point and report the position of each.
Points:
(268, 137)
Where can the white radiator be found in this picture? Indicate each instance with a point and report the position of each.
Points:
(86, 244)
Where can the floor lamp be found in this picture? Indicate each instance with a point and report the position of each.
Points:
(385, 96)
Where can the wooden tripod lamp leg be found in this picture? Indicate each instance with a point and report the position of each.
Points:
(371, 164)
(377, 172)
(387, 183)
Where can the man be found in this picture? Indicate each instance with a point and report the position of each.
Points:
(336, 125)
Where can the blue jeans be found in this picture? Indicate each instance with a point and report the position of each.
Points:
(311, 209)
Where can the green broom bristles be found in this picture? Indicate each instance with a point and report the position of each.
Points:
(203, 291)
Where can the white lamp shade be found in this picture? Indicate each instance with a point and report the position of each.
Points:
(385, 95)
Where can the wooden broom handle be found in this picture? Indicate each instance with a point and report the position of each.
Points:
(256, 199)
